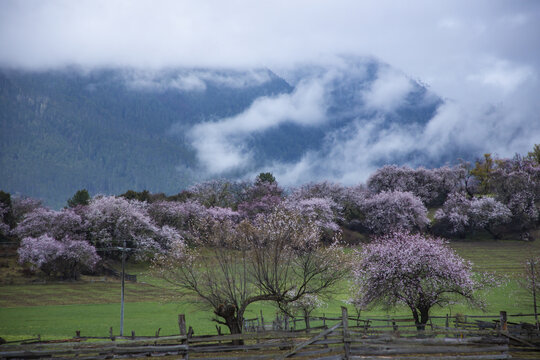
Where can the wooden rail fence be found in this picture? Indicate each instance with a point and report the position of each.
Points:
(342, 338)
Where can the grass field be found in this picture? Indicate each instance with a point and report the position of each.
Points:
(58, 309)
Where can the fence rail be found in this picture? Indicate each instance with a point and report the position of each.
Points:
(340, 338)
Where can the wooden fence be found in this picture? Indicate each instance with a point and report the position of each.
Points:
(341, 338)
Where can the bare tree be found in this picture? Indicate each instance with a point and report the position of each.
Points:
(531, 281)
(278, 257)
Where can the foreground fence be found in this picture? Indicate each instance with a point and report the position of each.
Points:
(341, 338)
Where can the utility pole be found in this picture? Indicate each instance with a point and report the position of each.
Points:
(533, 278)
(122, 291)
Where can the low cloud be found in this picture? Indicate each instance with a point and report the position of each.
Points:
(220, 144)
(388, 91)
(351, 154)
(192, 79)
(503, 75)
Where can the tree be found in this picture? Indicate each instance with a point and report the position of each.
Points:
(81, 197)
(305, 306)
(489, 214)
(516, 183)
(535, 154)
(340, 197)
(414, 270)
(432, 186)
(113, 222)
(265, 177)
(66, 258)
(66, 223)
(319, 210)
(24, 205)
(7, 220)
(261, 197)
(188, 217)
(453, 218)
(277, 257)
(482, 171)
(394, 210)
(220, 193)
(531, 281)
(460, 215)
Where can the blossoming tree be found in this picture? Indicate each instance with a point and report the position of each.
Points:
(417, 271)
(394, 210)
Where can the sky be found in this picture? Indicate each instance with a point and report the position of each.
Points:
(481, 57)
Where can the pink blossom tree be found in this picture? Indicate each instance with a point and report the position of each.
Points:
(189, 217)
(219, 193)
(516, 183)
(24, 205)
(460, 215)
(262, 197)
(453, 218)
(114, 221)
(394, 210)
(417, 271)
(66, 258)
(5, 228)
(324, 212)
(57, 224)
(432, 186)
(489, 214)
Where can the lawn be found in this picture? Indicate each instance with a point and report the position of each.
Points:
(57, 310)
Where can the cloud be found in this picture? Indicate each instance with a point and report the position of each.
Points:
(503, 75)
(481, 57)
(388, 91)
(220, 144)
(192, 79)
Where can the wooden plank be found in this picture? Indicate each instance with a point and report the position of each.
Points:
(428, 350)
(457, 357)
(433, 341)
(317, 352)
(310, 341)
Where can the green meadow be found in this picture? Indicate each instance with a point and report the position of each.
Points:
(92, 305)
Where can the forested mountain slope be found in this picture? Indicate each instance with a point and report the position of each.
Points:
(109, 130)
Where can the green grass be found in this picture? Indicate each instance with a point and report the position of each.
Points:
(57, 310)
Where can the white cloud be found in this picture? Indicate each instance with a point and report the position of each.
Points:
(388, 91)
(219, 144)
(504, 76)
(490, 104)
(192, 79)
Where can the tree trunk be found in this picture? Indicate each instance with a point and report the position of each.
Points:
(424, 317)
(233, 319)
(420, 320)
(306, 319)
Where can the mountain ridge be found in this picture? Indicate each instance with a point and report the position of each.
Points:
(113, 129)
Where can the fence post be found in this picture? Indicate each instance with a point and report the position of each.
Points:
(182, 324)
(346, 340)
(262, 321)
(110, 334)
(504, 324)
(78, 333)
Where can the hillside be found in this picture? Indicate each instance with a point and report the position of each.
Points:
(109, 130)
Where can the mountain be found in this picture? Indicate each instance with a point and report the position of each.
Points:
(110, 130)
